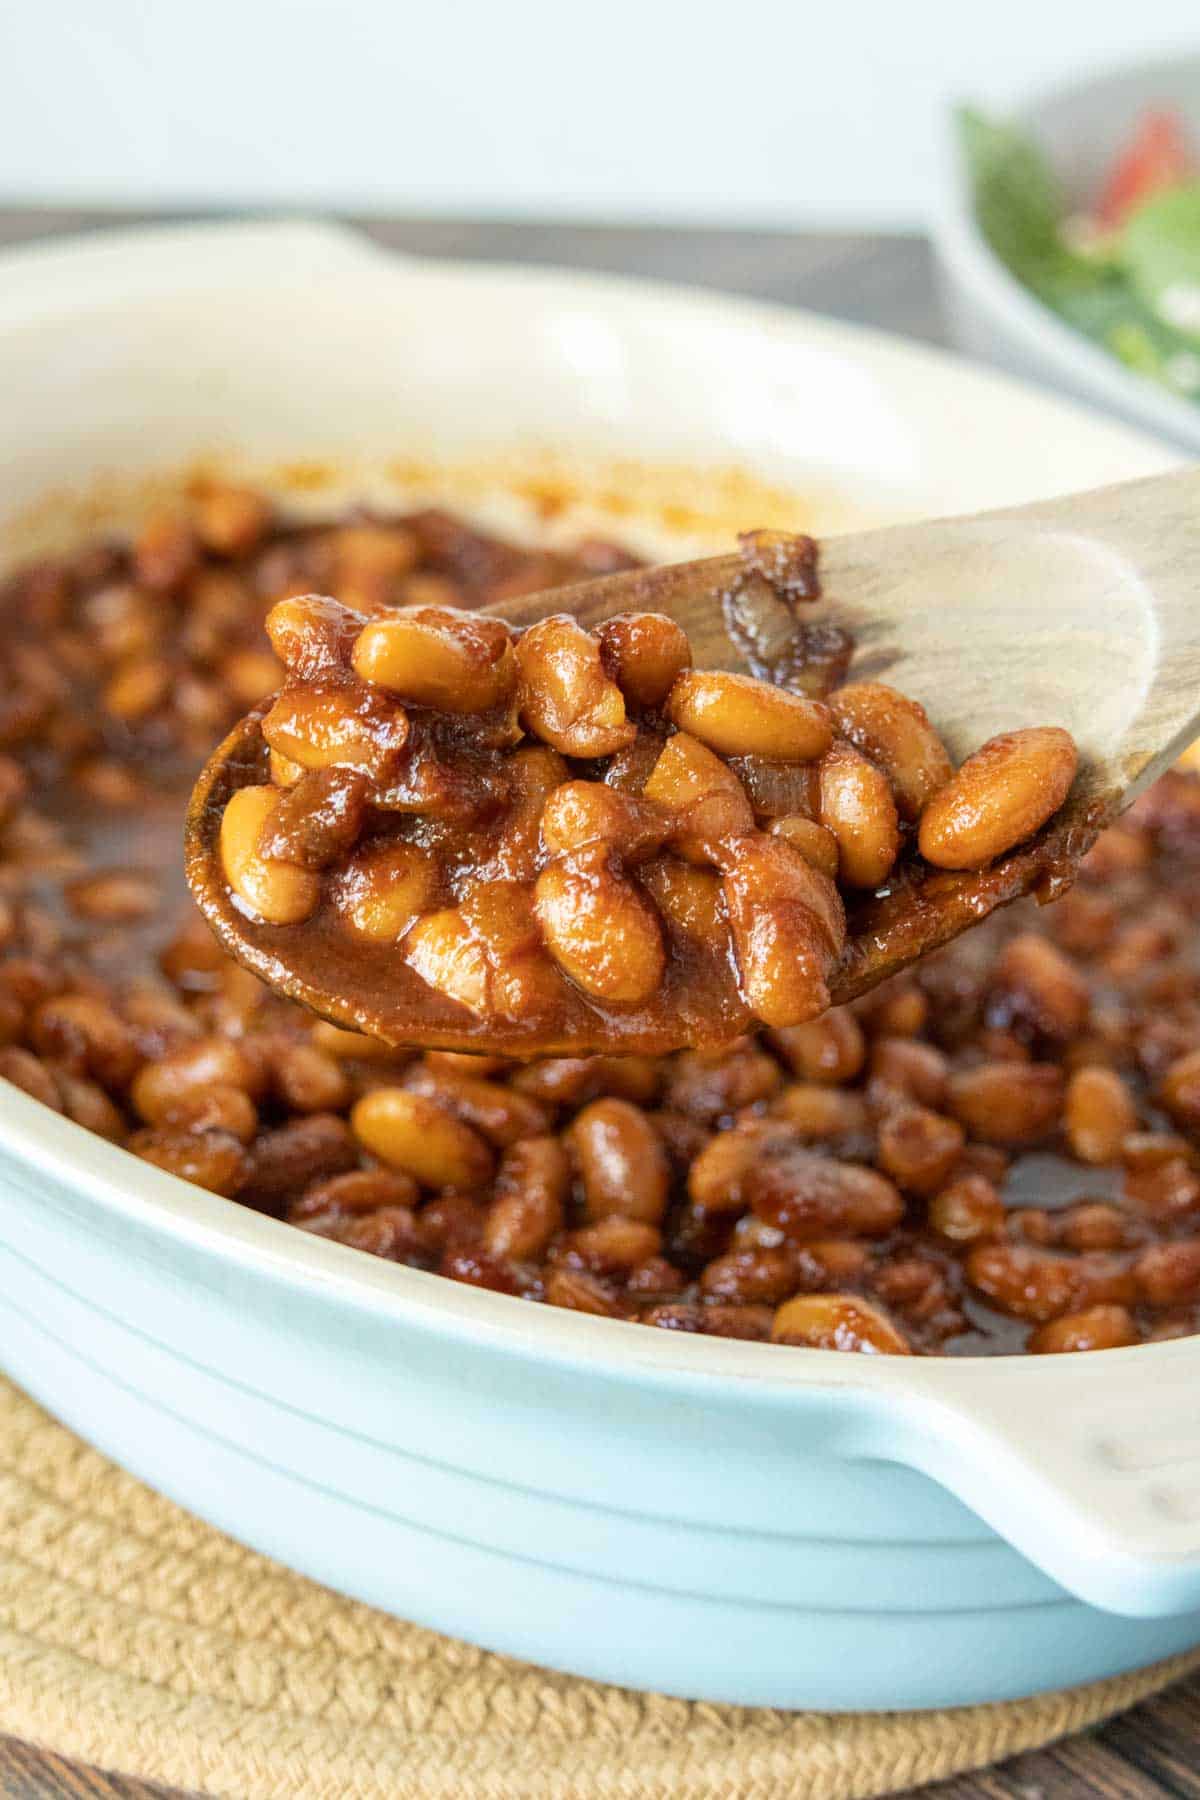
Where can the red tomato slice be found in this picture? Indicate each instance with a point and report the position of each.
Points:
(1158, 156)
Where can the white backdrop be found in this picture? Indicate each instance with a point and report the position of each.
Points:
(754, 111)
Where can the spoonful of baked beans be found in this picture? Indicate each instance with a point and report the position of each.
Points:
(656, 809)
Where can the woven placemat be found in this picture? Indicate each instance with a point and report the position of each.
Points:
(137, 1638)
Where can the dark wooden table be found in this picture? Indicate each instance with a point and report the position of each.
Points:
(1147, 1754)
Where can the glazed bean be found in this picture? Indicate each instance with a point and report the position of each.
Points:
(612, 1246)
(600, 929)
(209, 1159)
(829, 1049)
(329, 720)
(1007, 1103)
(1180, 1090)
(195, 1067)
(384, 888)
(903, 1069)
(814, 842)
(313, 635)
(689, 898)
(919, 1148)
(278, 893)
(502, 1115)
(443, 950)
(1000, 796)
(1098, 1115)
(1039, 1285)
(855, 804)
(788, 928)
(1096, 1328)
(644, 652)
(705, 798)
(717, 1174)
(580, 1291)
(421, 1138)
(31, 1075)
(531, 1192)
(1169, 1274)
(565, 696)
(1043, 986)
(88, 1035)
(457, 662)
(838, 1322)
(819, 1113)
(231, 520)
(580, 814)
(736, 715)
(621, 1162)
(808, 1196)
(751, 1276)
(894, 732)
(967, 1210)
(318, 818)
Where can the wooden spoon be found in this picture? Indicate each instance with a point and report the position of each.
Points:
(1082, 612)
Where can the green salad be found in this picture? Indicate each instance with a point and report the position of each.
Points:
(1126, 271)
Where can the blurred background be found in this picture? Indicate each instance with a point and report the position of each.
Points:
(764, 114)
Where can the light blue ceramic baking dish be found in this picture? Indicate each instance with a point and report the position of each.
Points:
(733, 1521)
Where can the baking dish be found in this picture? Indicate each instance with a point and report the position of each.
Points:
(708, 1518)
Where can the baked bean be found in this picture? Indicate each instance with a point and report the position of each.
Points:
(313, 635)
(1096, 1328)
(1043, 986)
(217, 1108)
(814, 842)
(1164, 1191)
(209, 1159)
(829, 1049)
(579, 1291)
(600, 928)
(689, 898)
(612, 1246)
(565, 696)
(808, 1196)
(31, 1075)
(331, 721)
(358, 1192)
(1093, 1225)
(86, 1034)
(1000, 796)
(387, 1231)
(442, 949)
(1098, 1115)
(531, 1192)
(644, 652)
(820, 1113)
(193, 1068)
(1039, 1285)
(967, 1210)
(1180, 1090)
(788, 928)
(533, 775)
(165, 551)
(918, 1148)
(138, 688)
(838, 1322)
(456, 662)
(279, 893)
(308, 1080)
(500, 1114)
(318, 818)
(855, 804)
(88, 1104)
(901, 1069)
(231, 520)
(894, 732)
(621, 1162)
(114, 897)
(383, 888)
(705, 798)
(752, 1276)
(580, 814)
(1007, 1103)
(736, 715)
(717, 1172)
(421, 1138)
(1169, 1274)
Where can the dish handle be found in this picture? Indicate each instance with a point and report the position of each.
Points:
(1089, 1464)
